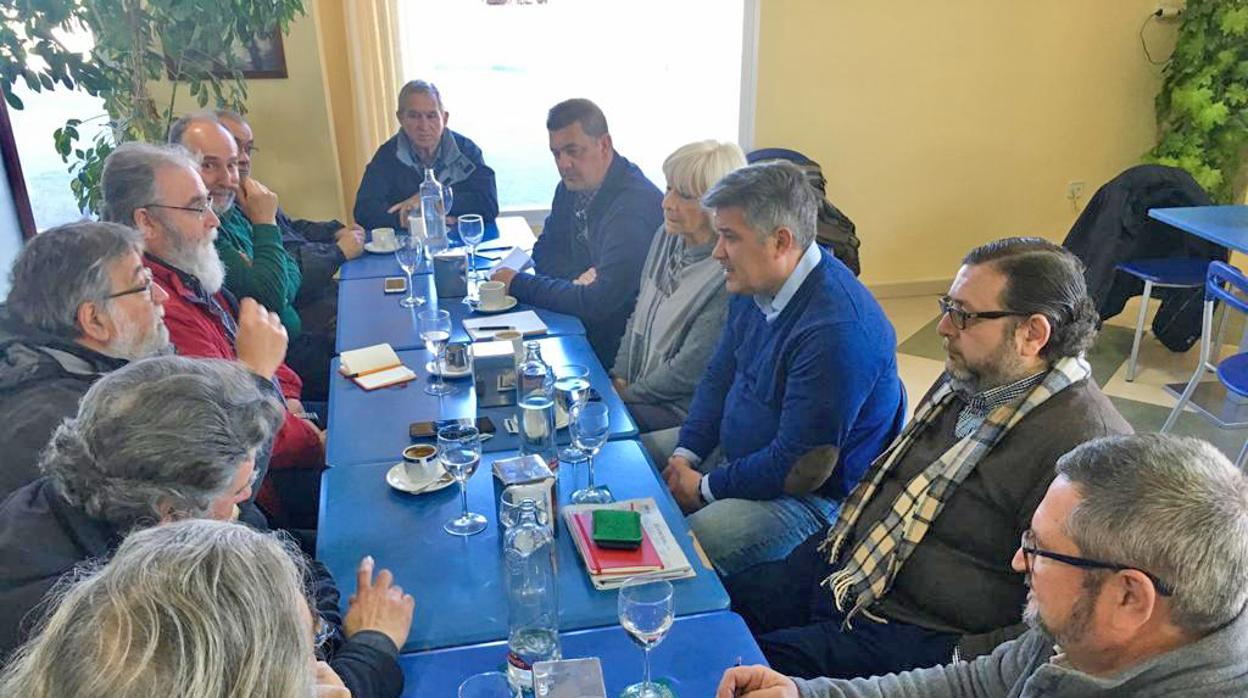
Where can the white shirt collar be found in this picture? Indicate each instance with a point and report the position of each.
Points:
(772, 306)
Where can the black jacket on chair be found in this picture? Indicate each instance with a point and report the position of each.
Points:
(1115, 228)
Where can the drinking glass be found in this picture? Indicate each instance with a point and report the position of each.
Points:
(492, 684)
(459, 451)
(408, 255)
(448, 198)
(434, 327)
(590, 426)
(471, 231)
(646, 613)
(571, 390)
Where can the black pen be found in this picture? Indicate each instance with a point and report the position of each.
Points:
(494, 328)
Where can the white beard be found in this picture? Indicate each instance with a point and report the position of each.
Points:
(131, 346)
(201, 261)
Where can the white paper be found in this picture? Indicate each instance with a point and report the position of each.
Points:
(517, 259)
(675, 564)
(525, 322)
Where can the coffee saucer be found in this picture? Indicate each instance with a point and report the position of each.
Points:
(508, 303)
(396, 477)
(377, 248)
(432, 369)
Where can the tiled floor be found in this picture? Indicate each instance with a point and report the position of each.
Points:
(1143, 402)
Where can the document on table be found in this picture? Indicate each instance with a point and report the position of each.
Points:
(526, 322)
(517, 259)
(675, 564)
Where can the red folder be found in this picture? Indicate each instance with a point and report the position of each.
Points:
(613, 561)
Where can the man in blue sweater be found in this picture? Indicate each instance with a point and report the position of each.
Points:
(593, 245)
(806, 363)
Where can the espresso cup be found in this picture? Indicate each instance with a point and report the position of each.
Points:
(383, 237)
(420, 462)
(492, 294)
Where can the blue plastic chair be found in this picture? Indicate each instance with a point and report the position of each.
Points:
(1229, 285)
(1176, 272)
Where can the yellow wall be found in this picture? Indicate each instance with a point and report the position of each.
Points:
(943, 125)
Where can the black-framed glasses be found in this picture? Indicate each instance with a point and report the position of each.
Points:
(201, 209)
(959, 317)
(145, 287)
(1028, 546)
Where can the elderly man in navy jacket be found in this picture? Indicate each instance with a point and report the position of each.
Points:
(594, 242)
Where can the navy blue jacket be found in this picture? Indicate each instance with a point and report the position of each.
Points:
(387, 181)
(623, 217)
(824, 372)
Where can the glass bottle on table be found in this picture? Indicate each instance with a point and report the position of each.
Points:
(433, 215)
(532, 596)
(535, 396)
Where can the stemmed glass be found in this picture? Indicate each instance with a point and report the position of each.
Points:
(590, 426)
(434, 327)
(646, 613)
(471, 231)
(448, 198)
(571, 390)
(408, 255)
(459, 450)
(492, 684)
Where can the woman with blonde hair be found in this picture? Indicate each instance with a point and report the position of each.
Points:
(682, 302)
(198, 608)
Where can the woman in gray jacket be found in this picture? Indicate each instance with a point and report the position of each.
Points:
(682, 302)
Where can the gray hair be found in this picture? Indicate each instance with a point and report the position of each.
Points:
(578, 110)
(178, 129)
(773, 195)
(226, 115)
(160, 436)
(1173, 506)
(693, 168)
(64, 267)
(129, 177)
(420, 87)
(194, 608)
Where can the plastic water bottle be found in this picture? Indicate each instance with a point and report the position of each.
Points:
(532, 597)
(535, 394)
(433, 213)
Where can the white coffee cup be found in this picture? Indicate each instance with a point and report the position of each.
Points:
(383, 237)
(420, 463)
(492, 294)
(516, 337)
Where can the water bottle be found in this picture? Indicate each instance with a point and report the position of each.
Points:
(433, 213)
(532, 597)
(535, 394)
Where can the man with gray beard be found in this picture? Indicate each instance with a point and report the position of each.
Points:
(81, 305)
(158, 190)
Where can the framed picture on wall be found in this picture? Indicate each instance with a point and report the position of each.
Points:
(261, 59)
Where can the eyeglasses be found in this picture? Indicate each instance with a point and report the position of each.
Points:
(324, 631)
(201, 209)
(145, 287)
(1028, 546)
(959, 317)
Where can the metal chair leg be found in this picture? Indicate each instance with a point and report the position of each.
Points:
(1139, 330)
(1206, 344)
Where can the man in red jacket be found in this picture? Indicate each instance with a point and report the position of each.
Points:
(158, 191)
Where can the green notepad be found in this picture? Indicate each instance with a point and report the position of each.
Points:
(614, 528)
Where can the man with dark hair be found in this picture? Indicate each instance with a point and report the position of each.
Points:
(1135, 561)
(593, 245)
(81, 304)
(917, 562)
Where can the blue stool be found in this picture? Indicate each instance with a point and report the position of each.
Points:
(1222, 283)
(1177, 272)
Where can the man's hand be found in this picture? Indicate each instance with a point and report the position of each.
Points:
(619, 384)
(350, 241)
(261, 340)
(328, 683)
(684, 481)
(405, 208)
(505, 275)
(257, 202)
(756, 682)
(588, 277)
(379, 605)
(320, 433)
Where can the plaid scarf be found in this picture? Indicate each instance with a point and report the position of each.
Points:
(870, 568)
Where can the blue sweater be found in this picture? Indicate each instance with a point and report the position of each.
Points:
(824, 372)
(623, 217)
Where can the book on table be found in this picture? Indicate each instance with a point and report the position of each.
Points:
(374, 367)
(659, 556)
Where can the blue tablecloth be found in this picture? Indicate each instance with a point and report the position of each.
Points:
(691, 659)
(457, 581)
(367, 315)
(1224, 225)
(371, 426)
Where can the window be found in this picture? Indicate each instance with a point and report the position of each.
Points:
(665, 73)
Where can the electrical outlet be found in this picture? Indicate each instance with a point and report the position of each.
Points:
(1074, 190)
(1168, 10)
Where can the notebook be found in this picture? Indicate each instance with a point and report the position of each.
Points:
(374, 367)
(613, 561)
(526, 322)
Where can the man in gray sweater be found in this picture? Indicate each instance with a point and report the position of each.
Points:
(1137, 560)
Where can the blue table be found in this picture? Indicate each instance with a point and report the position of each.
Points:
(691, 659)
(511, 234)
(457, 582)
(367, 315)
(371, 426)
(1224, 225)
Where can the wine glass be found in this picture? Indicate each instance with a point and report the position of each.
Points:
(491, 684)
(408, 255)
(571, 389)
(646, 613)
(448, 198)
(459, 451)
(434, 327)
(471, 231)
(590, 426)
